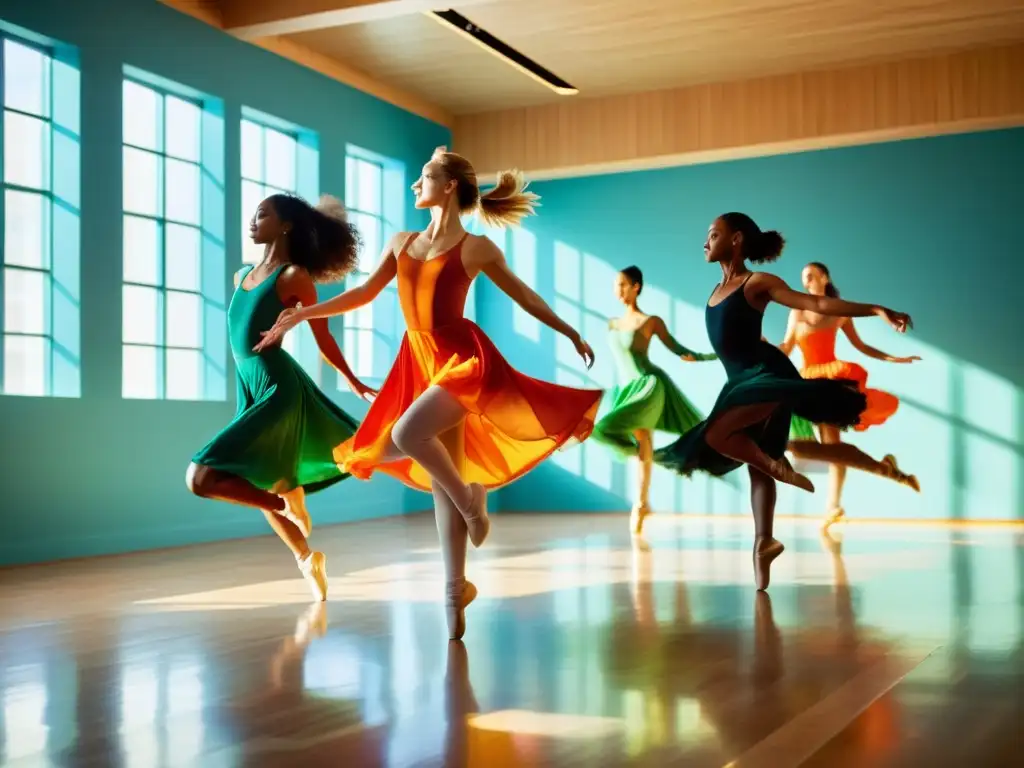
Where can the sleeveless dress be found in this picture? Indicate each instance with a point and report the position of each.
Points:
(758, 372)
(285, 430)
(819, 352)
(645, 398)
(513, 422)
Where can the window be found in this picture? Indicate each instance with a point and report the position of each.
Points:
(39, 282)
(374, 186)
(278, 158)
(173, 320)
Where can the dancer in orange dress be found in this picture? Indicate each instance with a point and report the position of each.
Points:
(453, 417)
(815, 335)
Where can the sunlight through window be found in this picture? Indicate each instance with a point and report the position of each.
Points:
(39, 281)
(374, 191)
(24, 713)
(173, 264)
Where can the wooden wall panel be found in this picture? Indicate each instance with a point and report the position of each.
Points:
(949, 93)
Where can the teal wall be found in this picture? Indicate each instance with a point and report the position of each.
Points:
(931, 227)
(101, 474)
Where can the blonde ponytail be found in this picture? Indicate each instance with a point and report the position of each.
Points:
(509, 202)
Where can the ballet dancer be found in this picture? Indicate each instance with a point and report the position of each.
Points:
(453, 417)
(281, 443)
(815, 335)
(750, 421)
(645, 399)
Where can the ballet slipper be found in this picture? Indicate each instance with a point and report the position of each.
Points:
(314, 571)
(783, 471)
(478, 523)
(637, 517)
(765, 551)
(893, 472)
(459, 594)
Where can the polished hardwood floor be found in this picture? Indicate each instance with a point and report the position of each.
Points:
(882, 645)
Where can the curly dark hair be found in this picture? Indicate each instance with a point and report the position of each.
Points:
(321, 240)
(758, 247)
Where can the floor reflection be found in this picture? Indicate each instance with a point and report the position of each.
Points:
(584, 649)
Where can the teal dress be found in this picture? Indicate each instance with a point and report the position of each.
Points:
(758, 372)
(645, 397)
(285, 430)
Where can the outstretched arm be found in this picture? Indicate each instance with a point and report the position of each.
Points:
(363, 294)
(864, 348)
(344, 302)
(296, 288)
(660, 329)
(777, 291)
(493, 264)
(789, 340)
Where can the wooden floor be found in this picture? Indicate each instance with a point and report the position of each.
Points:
(898, 646)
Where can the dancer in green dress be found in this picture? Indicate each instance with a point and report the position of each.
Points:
(750, 421)
(280, 444)
(645, 399)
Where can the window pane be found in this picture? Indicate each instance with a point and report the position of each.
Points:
(252, 196)
(26, 151)
(370, 230)
(368, 186)
(141, 250)
(252, 151)
(184, 374)
(280, 159)
(184, 327)
(25, 301)
(141, 116)
(26, 79)
(25, 359)
(140, 318)
(351, 181)
(183, 128)
(182, 255)
(27, 229)
(140, 372)
(182, 192)
(142, 182)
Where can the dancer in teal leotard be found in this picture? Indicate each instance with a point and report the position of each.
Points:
(280, 445)
(645, 400)
(750, 421)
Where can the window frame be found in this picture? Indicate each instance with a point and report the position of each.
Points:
(64, 342)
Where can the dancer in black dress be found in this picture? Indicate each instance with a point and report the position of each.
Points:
(750, 421)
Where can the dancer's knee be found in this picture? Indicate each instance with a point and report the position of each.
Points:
(403, 435)
(198, 479)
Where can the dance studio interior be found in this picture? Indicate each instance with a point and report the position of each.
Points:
(475, 314)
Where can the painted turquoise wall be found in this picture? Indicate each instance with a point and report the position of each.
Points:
(931, 227)
(101, 474)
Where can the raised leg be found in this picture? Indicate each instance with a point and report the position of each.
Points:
(836, 475)
(416, 435)
(279, 511)
(727, 435)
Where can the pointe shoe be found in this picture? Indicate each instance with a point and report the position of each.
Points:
(314, 571)
(637, 518)
(898, 475)
(834, 516)
(459, 595)
(295, 511)
(783, 471)
(477, 521)
(765, 551)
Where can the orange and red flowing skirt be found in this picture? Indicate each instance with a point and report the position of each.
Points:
(513, 422)
(881, 405)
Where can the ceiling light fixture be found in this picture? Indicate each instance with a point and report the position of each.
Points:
(494, 46)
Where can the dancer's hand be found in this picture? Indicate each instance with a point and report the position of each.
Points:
(911, 359)
(287, 320)
(688, 358)
(583, 350)
(900, 321)
(362, 391)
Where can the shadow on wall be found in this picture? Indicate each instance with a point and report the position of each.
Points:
(960, 426)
